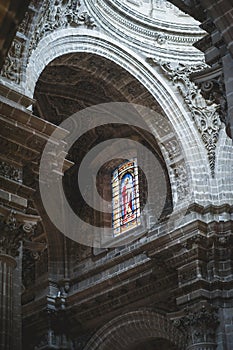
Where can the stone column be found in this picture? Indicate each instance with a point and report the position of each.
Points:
(7, 265)
(11, 234)
(200, 325)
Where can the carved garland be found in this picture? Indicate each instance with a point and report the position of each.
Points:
(57, 14)
(53, 15)
(204, 112)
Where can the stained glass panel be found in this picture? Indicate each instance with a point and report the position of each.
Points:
(125, 197)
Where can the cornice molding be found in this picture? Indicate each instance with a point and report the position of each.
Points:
(139, 31)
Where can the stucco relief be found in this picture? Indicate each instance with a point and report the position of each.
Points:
(155, 8)
(204, 112)
(52, 15)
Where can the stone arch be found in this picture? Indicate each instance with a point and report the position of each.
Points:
(134, 327)
(180, 131)
(81, 40)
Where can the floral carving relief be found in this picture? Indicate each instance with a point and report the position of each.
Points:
(181, 178)
(56, 14)
(200, 326)
(204, 112)
(11, 68)
(53, 15)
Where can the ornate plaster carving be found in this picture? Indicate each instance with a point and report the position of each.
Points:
(52, 15)
(205, 112)
(214, 90)
(173, 148)
(181, 178)
(57, 14)
(12, 232)
(146, 22)
(200, 325)
(10, 172)
(11, 68)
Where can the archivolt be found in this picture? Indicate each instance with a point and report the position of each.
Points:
(134, 327)
(179, 140)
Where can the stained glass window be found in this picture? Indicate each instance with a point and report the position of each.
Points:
(125, 197)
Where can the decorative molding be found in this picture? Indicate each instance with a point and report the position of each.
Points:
(10, 172)
(59, 320)
(181, 179)
(205, 112)
(52, 15)
(214, 90)
(12, 232)
(200, 326)
(137, 325)
(11, 68)
(57, 14)
(142, 24)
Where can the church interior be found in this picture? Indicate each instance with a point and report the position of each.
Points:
(116, 169)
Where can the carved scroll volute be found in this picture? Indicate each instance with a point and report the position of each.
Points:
(12, 233)
(200, 326)
(205, 112)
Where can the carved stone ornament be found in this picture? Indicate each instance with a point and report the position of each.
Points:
(214, 90)
(58, 14)
(10, 172)
(200, 326)
(181, 178)
(11, 68)
(53, 14)
(58, 318)
(204, 112)
(12, 232)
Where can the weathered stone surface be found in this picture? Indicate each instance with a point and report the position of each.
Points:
(170, 288)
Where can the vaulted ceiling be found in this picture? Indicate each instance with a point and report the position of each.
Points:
(76, 81)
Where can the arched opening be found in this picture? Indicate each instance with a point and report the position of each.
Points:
(76, 81)
(136, 330)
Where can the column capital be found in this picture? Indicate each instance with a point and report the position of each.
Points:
(12, 232)
(200, 323)
(9, 260)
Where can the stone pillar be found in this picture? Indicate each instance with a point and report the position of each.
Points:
(7, 265)
(58, 320)
(200, 325)
(12, 233)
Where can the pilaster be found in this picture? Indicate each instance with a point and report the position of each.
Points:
(12, 232)
(7, 265)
